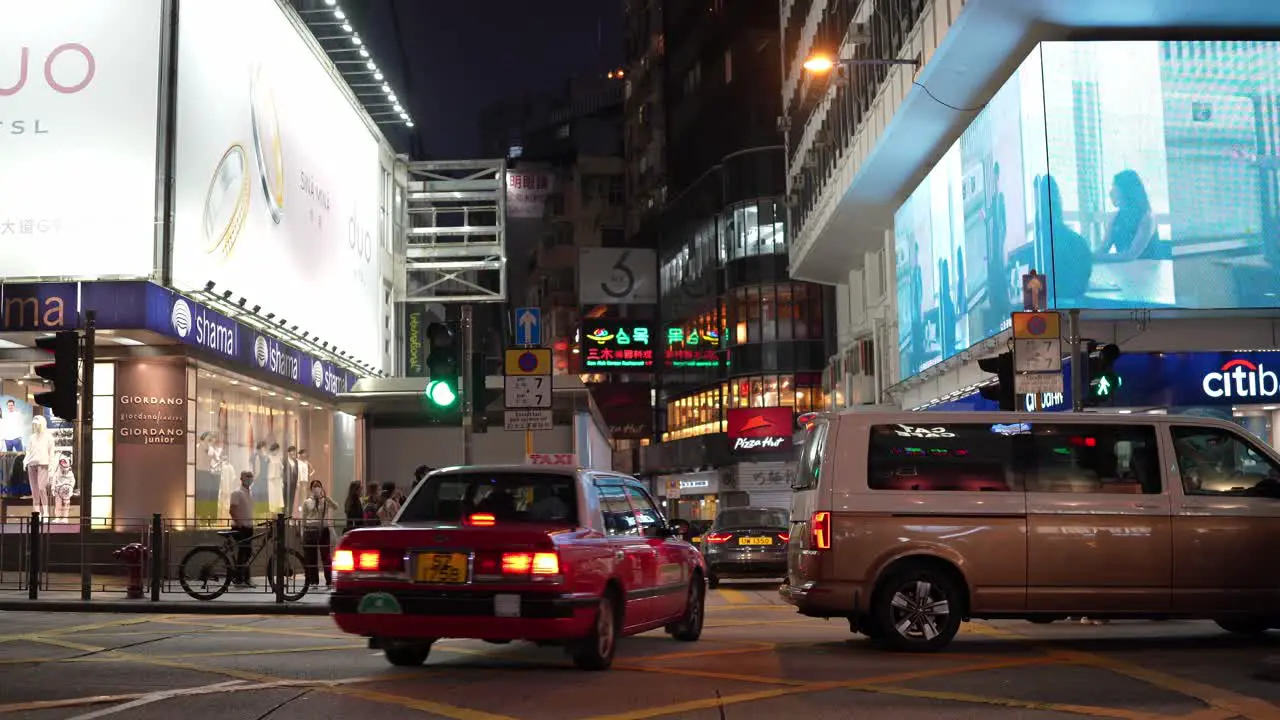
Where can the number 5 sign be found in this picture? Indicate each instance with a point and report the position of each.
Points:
(617, 276)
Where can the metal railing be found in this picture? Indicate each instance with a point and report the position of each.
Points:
(165, 559)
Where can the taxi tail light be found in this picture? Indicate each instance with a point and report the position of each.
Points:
(820, 529)
(539, 563)
(482, 520)
(717, 537)
(344, 560)
(364, 560)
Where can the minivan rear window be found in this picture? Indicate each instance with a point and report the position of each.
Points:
(510, 496)
(813, 445)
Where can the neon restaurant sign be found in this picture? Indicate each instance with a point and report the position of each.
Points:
(617, 345)
(691, 348)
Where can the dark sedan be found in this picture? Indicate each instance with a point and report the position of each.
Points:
(746, 542)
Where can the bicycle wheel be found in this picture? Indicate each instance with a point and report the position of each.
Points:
(205, 572)
(296, 583)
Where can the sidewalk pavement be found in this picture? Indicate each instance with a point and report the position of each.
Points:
(108, 595)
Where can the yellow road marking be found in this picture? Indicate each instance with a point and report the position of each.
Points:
(708, 703)
(449, 711)
(1218, 698)
(231, 653)
(753, 648)
(78, 629)
(739, 623)
(36, 705)
(710, 674)
(1223, 699)
(1090, 710)
(737, 597)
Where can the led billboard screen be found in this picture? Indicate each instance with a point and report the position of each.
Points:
(1131, 174)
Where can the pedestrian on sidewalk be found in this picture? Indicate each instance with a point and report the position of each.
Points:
(241, 511)
(316, 536)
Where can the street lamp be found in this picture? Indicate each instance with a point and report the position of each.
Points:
(822, 63)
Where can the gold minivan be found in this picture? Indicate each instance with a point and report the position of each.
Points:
(909, 523)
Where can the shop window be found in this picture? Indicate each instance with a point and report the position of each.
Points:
(104, 391)
(928, 458)
(752, 305)
(241, 426)
(1094, 459)
(1213, 461)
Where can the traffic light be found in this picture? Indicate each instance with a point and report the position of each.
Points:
(63, 374)
(1002, 367)
(442, 365)
(1101, 382)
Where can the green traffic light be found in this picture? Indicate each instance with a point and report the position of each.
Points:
(441, 394)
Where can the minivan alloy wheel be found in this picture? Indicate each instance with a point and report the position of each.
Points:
(920, 611)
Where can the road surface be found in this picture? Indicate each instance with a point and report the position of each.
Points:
(757, 659)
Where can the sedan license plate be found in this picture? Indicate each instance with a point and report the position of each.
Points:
(755, 541)
(441, 568)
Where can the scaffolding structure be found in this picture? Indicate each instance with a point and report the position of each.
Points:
(455, 237)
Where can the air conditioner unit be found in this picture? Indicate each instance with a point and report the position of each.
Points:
(859, 32)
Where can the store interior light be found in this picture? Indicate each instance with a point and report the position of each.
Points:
(377, 75)
(330, 3)
(398, 108)
(371, 67)
(386, 88)
(355, 40)
(346, 27)
(408, 123)
(364, 53)
(337, 12)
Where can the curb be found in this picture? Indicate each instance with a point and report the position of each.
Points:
(167, 608)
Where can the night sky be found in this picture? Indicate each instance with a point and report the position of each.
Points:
(463, 55)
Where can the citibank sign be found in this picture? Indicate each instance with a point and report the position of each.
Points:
(1241, 379)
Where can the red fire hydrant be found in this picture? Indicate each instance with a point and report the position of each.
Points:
(134, 555)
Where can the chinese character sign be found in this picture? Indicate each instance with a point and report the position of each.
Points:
(618, 344)
(691, 348)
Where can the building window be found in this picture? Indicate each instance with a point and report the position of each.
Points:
(775, 313)
(754, 228)
(699, 414)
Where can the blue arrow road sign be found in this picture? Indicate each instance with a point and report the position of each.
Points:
(529, 326)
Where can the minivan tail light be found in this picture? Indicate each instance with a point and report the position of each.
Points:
(784, 537)
(820, 528)
(717, 537)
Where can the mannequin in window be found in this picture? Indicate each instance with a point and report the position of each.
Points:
(37, 462)
(63, 484)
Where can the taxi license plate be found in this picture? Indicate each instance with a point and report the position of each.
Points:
(755, 541)
(441, 568)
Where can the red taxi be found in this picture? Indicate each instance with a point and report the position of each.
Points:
(559, 556)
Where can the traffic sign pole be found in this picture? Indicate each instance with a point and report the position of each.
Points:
(468, 392)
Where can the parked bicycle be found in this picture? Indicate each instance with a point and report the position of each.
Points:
(206, 571)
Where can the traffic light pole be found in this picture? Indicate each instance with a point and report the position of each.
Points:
(84, 453)
(465, 387)
(1077, 361)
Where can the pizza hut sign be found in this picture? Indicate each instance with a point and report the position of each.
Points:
(760, 430)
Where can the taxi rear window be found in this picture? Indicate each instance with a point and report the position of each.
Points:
(507, 496)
